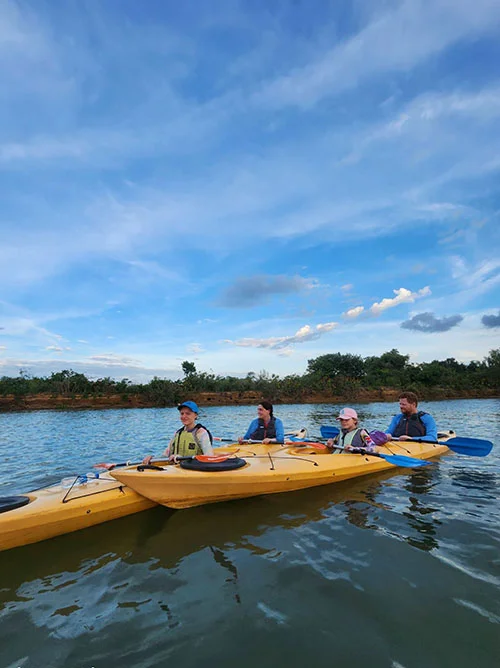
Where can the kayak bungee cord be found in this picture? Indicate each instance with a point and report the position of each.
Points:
(97, 491)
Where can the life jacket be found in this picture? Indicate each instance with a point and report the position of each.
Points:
(186, 443)
(263, 432)
(352, 438)
(412, 426)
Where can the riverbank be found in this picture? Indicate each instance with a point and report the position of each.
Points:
(38, 402)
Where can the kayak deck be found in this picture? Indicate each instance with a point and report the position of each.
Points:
(269, 469)
(55, 510)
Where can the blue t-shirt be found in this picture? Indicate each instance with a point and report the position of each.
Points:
(429, 424)
(280, 430)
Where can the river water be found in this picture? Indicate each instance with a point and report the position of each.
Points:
(398, 570)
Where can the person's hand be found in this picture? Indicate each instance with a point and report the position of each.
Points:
(330, 443)
(147, 459)
(240, 439)
(266, 441)
(174, 459)
(389, 437)
(405, 438)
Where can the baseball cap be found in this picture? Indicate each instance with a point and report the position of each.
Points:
(347, 413)
(189, 404)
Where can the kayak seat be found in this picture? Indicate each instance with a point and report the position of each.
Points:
(12, 502)
(230, 464)
(308, 449)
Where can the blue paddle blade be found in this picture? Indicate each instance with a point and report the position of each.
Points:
(476, 447)
(401, 460)
(329, 432)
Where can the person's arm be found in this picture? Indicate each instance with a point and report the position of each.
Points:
(368, 443)
(392, 427)
(431, 433)
(168, 449)
(332, 442)
(253, 426)
(204, 440)
(280, 431)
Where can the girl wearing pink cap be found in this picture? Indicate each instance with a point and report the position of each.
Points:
(351, 436)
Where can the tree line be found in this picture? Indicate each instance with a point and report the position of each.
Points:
(335, 374)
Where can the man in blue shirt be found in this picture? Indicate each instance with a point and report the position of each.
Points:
(411, 424)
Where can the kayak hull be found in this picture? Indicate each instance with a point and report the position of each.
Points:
(267, 471)
(54, 511)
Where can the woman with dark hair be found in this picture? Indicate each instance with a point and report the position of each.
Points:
(265, 427)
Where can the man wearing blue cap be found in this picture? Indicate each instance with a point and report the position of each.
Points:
(191, 439)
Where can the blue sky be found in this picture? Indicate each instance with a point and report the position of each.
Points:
(247, 185)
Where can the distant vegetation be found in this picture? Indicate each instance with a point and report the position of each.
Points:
(332, 374)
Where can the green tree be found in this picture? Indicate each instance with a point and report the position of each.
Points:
(189, 368)
(334, 365)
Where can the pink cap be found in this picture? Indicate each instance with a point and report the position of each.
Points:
(347, 413)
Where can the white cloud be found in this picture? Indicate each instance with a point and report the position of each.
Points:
(195, 348)
(354, 312)
(305, 333)
(111, 360)
(91, 368)
(403, 296)
(55, 349)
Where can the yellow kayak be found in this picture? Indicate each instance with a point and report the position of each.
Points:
(56, 510)
(262, 469)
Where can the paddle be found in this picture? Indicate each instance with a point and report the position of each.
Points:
(379, 438)
(109, 466)
(397, 460)
(329, 432)
(299, 433)
(474, 447)
(200, 458)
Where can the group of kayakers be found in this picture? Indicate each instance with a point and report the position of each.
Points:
(195, 439)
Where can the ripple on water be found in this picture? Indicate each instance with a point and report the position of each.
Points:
(277, 575)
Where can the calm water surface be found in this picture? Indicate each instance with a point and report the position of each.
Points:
(400, 569)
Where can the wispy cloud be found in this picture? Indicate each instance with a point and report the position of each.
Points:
(112, 360)
(427, 322)
(477, 279)
(195, 348)
(396, 41)
(147, 165)
(304, 334)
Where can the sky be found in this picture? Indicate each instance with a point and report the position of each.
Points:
(247, 184)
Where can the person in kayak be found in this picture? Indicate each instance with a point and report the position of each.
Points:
(191, 439)
(411, 423)
(351, 436)
(265, 427)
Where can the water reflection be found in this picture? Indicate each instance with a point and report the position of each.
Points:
(163, 538)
